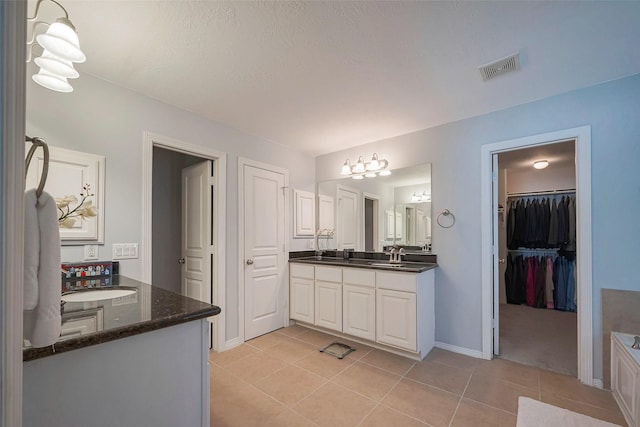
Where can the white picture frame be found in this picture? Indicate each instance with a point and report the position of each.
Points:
(69, 172)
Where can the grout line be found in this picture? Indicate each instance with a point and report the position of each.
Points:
(455, 412)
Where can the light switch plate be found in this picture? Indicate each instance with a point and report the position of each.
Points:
(125, 251)
(90, 252)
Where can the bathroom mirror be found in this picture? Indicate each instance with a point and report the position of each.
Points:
(371, 213)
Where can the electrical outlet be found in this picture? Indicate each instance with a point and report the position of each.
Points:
(90, 252)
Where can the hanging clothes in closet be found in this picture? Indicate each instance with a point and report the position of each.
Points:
(546, 281)
(541, 238)
(541, 222)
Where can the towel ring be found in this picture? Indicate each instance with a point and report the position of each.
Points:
(446, 213)
(38, 142)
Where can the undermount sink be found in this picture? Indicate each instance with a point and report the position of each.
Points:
(97, 295)
(385, 264)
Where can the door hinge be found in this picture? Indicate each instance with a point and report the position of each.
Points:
(494, 323)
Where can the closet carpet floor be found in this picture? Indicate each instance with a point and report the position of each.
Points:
(539, 337)
(281, 379)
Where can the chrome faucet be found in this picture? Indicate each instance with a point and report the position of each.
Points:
(395, 256)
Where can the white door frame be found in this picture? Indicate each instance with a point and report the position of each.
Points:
(13, 32)
(151, 140)
(242, 162)
(584, 288)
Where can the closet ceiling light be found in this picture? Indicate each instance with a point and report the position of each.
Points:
(540, 164)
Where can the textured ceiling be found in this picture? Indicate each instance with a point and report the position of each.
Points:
(322, 76)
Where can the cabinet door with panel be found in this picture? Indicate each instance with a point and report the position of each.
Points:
(328, 305)
(396, 319)
(302, 292)
(302, 299)
(359, 311)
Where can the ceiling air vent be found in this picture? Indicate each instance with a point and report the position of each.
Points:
(501, 66)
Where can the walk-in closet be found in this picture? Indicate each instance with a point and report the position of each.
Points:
(537, 247)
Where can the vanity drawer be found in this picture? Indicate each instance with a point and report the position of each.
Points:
(359, 276)
(329, 274)
(405, 282)
(302, 271)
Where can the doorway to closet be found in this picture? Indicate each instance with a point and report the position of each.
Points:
(537, 304)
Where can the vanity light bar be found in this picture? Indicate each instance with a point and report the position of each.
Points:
(365, 169)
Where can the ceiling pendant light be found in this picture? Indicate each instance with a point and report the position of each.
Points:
(540, 164)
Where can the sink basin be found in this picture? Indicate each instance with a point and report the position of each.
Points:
(385, 264)
(97, 295)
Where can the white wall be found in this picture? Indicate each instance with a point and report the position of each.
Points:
(613, 111)
(101, 118)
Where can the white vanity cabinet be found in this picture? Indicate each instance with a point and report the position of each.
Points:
(328, 303)
(359, 303)
(625, 377)
(405, 311)
(302, 292)
(392, 310)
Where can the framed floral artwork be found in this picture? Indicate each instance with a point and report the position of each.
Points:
(76, 181)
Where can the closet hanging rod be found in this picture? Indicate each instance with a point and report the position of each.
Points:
(38, 142)
(542, 193)
(536, 251)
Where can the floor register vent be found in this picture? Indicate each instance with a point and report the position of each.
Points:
(337, 349)
(501, 66)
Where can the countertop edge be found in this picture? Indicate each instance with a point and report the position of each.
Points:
(343, 263)
(115, 334)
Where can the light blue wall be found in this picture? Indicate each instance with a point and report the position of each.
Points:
(104, 119)
(2, 143)
(611, 109)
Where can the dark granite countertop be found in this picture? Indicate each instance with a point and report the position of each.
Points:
(377, 264)
(147, 309)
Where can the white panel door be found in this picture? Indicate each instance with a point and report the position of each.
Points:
(264, 287)
(348, 218)
(359, 314)
(397, 317)
(196, 231)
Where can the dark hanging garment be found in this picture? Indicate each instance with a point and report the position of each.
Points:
(571, 241)
(545, 215)
(563, 221)
(511, 224)
(530, 289)
(540, 283)
(552, 240)
(520, 224)
(509, 281)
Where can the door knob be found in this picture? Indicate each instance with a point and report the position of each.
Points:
(501, 261)
(180, 260)
(249, 261)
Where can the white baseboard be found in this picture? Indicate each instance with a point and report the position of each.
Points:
(229, 344)
(461, 350)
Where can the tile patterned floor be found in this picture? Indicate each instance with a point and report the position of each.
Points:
(281, 379)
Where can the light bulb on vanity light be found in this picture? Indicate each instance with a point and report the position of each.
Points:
(370, 174)
(346, 168)
(359, 167)
(540, 164)
(374, 164)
